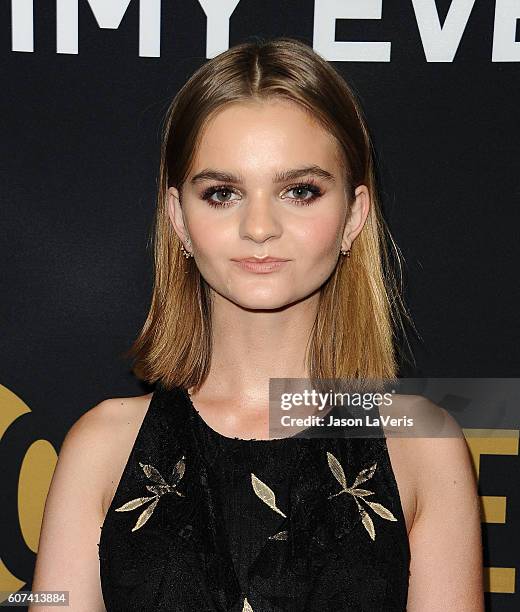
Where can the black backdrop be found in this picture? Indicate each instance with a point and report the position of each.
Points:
(80, 145)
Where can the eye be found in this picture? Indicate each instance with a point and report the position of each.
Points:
(301, 190)
(218, 189)
(313, 190)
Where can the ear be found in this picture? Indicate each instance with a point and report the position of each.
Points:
(358, 214)
(176, 215)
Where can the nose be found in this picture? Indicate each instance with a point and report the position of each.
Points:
(260, 221)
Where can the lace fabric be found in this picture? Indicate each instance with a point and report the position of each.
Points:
(294, 524)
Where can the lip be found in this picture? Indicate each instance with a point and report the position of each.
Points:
(260, 259)
(260, 266)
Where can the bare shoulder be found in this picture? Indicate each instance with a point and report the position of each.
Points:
(114, 425)
(431, 457)
(90, 462)
(103, 437)
(441, 458)
(437, 473)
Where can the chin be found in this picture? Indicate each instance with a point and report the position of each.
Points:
(261, 302)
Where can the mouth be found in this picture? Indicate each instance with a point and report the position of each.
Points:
(260, 265)
(260, 259)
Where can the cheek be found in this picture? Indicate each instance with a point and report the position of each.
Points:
(318, 238)
(209, 238)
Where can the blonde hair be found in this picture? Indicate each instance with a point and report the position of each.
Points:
(360, 306)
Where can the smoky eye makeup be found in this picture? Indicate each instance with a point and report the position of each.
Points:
(309, 187)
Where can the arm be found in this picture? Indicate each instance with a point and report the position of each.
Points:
(68, 548)
(445, 538)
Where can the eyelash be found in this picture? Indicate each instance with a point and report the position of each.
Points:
(310, 185)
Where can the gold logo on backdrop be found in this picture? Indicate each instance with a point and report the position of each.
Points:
(493, 508)
(34, 478)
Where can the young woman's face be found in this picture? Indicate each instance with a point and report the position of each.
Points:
(255, 211)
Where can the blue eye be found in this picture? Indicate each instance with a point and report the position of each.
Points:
(211, 191)
(310, 188)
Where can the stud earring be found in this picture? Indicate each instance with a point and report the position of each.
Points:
(345, 252)
(186, 253)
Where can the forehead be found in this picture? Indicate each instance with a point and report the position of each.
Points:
(262, 136)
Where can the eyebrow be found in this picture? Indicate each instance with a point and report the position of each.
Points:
(209, 174)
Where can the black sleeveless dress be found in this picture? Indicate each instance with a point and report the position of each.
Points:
(203, 522)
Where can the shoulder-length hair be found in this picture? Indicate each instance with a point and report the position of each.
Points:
(360, 308)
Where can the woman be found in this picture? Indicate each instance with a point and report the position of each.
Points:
(265, 154)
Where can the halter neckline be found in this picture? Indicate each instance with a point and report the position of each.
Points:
(187, 396)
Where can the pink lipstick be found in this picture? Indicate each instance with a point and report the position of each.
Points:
(260, 265)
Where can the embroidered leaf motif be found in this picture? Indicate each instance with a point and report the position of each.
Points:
(364, 475)
(265, 493)
(281, 535)
(134, 503)
(152, 473)
(145, 515)
(359, 492)
(247, 606)
(368, 523)
(178, 471)
(160, 488)
(382, 511)
(337, 470)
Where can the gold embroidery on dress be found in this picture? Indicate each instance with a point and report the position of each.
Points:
(364, 475)
(158, 489)
(247, 606)
(266, 494)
